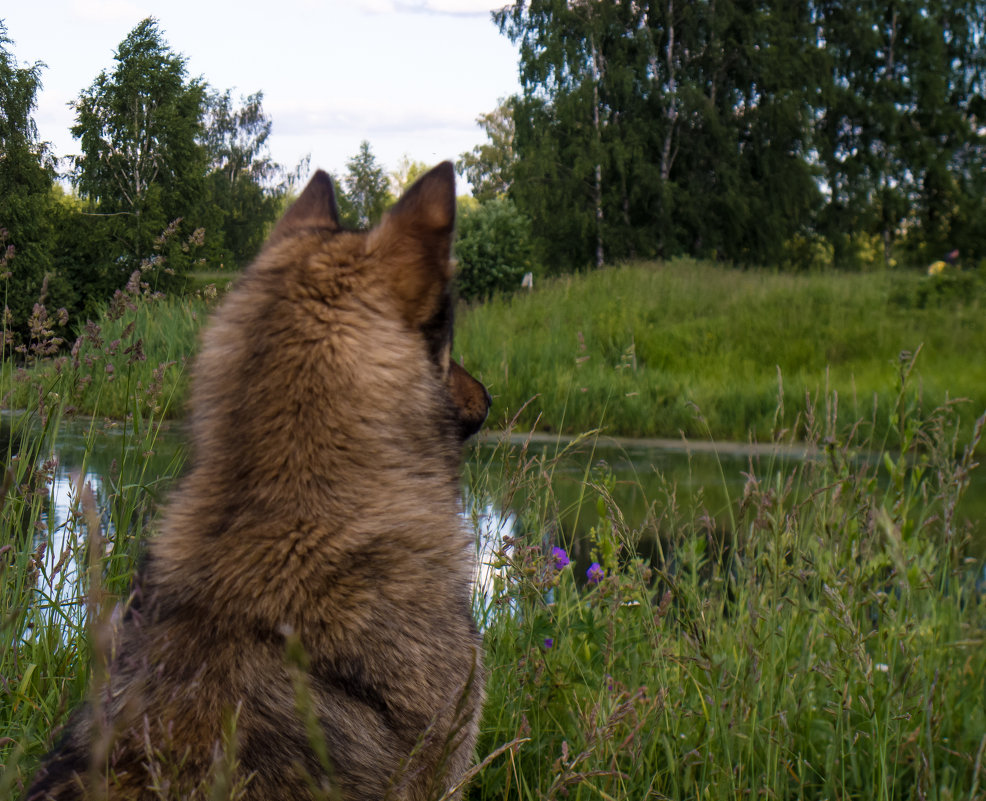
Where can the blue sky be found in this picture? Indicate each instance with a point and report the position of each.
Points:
(410, 76)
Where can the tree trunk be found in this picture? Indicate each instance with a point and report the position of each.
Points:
(671, 114)
(598, 187)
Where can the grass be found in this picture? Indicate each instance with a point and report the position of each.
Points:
(59, 582)
(660, 349)
(823, 638)
(134, 359)
(829, 644)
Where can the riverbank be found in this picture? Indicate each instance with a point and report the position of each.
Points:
(783, 620)
(679, 445)
(783, 626)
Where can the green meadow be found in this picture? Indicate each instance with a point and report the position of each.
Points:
(820, 634)
(686, 347)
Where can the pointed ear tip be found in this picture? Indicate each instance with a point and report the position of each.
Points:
(447, 170)
(321, 177)
(445, 175)
(316, 205)
(444, 171)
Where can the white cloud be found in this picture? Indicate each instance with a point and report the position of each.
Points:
(368, 117)
(109, 11)
(447, 7)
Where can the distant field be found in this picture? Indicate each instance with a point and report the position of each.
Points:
(657, 349)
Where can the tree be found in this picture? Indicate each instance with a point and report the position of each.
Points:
(558, 122)
(758, 131)
(900, 124)
(943, 138)
(655, 128)
(366, 194)
(140, 131)
(493, 249)
(408, 171)
(737, 127)
(488, 167)
(245, 186)
(26, 178)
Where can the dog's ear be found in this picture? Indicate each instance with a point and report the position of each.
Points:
(414, 241)
(314, 208)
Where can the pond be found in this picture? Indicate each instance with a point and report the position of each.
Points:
(643, 478)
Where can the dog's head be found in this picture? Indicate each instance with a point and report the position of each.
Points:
(410, 254)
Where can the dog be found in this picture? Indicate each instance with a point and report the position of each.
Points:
(302, 626)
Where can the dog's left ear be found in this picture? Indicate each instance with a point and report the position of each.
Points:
(414, 240)
(314, 208)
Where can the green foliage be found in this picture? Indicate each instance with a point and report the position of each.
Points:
(131, 358)
(245, 186)
(710, 129)
(826, 642)
(169, 170)
(26, 196)
(139, 128)
(488, 166)
(408, 171)
(948, 289)
(366, 194)
(898, 142)
(687, 347)
(60, 582)
(493, 249)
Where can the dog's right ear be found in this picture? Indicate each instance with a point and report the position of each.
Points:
(414, 240)
(314, 208)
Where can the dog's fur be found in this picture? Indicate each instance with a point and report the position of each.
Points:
(309, 589)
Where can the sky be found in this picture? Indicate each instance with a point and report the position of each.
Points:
(409, 76)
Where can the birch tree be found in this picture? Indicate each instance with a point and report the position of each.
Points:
(139, 127)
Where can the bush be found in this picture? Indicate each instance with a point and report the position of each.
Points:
(493, 249)
(942, 289)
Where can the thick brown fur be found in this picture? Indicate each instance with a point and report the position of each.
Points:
(309, 589)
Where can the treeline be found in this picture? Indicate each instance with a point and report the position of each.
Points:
(172, 174)
(174, 181)
(800, 133)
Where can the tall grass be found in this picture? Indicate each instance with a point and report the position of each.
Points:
(829, 644)
(61, 579)
(654, 350)
(645, 346)
(132, 359)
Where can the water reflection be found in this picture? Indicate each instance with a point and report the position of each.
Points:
(492, 528)
(643, 481)
(59, 582)
(653, 485)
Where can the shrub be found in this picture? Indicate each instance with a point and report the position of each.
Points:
(493, 249)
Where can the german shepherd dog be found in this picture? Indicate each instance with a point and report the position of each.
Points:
(302, 626)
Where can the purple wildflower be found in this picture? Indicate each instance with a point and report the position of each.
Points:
(595, 573)
(561, 558)
(548, 642)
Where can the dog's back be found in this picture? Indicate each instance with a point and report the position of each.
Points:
(303, 620)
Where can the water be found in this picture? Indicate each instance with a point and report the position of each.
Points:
(643, 477)
(90, 464)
